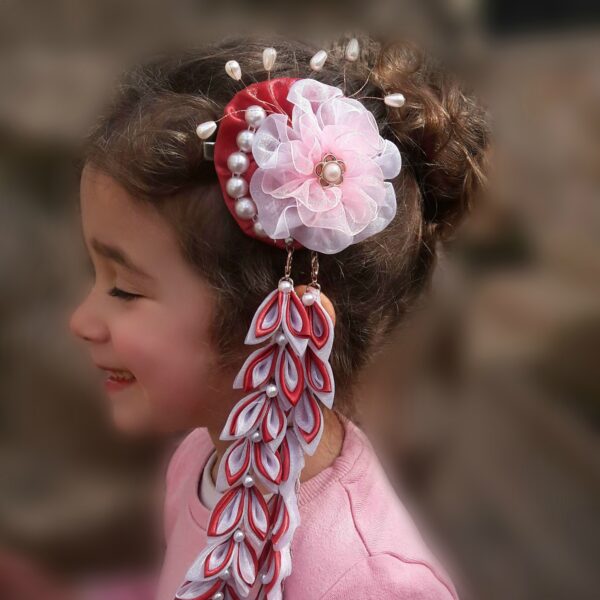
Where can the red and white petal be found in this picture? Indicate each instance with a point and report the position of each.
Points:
(267, 318)
(319, 377)
(291, 456)
(219, 558)
(274, 424)
(295, 323)
(289, 375)
(279, 517)
(284, 458)
(245, 416)
(321, 330)
(308, 422)
(228, 512)
(272, 571)
(235, 464)
(258, 368)
(245, 566)
(267, 466)
(258, 517)
(277, 567)
(199, 590)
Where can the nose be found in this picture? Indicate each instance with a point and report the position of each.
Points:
(86, 322)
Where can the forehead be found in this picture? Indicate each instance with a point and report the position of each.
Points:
(111, 215)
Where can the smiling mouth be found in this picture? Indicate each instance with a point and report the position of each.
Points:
(121, 376)
(117, 379)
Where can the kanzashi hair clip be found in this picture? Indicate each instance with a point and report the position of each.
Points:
(300, 165)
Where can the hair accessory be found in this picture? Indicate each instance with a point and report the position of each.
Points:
(232, 68)
(269, 57)
(318, 60)
(310, 160)
(299, 165)
(352, 50)
(395, 100)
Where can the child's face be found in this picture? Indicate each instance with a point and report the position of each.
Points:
(157, 340)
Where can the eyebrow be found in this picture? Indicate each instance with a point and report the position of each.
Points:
(117, 255)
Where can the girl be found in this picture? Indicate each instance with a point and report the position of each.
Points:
(375, 155)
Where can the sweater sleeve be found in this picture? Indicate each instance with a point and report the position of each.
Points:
(388, 576)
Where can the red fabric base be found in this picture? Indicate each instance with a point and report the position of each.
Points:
(272, 96)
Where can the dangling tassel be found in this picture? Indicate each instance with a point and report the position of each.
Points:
(250, 535)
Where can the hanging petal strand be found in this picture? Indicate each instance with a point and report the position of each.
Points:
(270, 429)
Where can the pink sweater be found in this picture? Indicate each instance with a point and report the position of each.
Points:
(355, 540)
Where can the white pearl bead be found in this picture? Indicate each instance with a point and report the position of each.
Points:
(280, 338)
(255, 437)
(259, 230)
(255, 115)
(232, 68)
(218, 596)
(238, 162)
(269, 56)
(332, 172)
(244, 140)
(271, 390)
(248, 481)
(352, 50)
(395, 100)
(308, 298)
(238, 536)
(245, 208)
(264, 578)
(226, 574)
(285, 286)
(236, 187)
(318, 60)
(206, 129)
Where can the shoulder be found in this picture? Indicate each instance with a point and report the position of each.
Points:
(183, 473)
(388, 557)
(388, 576)
(189, 452)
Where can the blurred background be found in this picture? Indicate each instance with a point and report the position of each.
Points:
(489, 414)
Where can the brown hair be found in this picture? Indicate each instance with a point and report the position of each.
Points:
(146, 141)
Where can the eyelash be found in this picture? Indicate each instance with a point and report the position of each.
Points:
(122, 294)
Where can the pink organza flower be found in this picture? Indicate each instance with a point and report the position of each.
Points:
(295, 201)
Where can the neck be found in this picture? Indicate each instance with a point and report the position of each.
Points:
(328, 450)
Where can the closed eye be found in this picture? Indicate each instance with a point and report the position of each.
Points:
(122, 294)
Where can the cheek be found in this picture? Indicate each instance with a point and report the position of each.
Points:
(172, 360)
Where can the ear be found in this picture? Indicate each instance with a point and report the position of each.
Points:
(325, 301)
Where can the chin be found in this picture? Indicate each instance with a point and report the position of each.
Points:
(130, 421)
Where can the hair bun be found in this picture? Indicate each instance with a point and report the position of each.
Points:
(441, 130)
